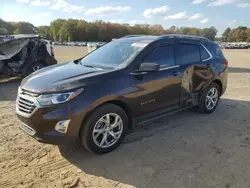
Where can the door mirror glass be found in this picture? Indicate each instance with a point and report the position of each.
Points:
(148, 67)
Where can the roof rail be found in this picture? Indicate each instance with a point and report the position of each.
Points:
(183, 36)
(130, 36)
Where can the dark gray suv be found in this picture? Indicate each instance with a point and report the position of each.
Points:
(126, 82)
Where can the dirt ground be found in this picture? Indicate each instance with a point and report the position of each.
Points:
(187, 149)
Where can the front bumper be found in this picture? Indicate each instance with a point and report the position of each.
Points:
(40, 122)
(46, 134)
(51, 137)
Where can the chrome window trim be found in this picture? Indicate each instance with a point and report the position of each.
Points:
(166, 68)
(211, 56)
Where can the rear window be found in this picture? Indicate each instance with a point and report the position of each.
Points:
(189, 54)
(214, 49)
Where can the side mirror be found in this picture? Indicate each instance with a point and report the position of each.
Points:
(149, 67)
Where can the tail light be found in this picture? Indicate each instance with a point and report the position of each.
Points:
(52, 51)
(226, 63)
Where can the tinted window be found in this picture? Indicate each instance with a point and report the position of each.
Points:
(163, 55)
(214, 49)
(204, 54)
(189, 54)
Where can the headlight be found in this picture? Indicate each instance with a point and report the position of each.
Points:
(49, 99)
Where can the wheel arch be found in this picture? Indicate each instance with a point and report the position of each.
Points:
(118, 103)
(219, 83)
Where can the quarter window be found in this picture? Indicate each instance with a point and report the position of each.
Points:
(189, 54)
(162, 55)
(204, 54)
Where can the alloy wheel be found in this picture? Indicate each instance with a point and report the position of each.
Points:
(212, 98)
(37, 67)
(107, 130)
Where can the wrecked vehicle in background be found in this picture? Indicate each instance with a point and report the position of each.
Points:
(20, 55)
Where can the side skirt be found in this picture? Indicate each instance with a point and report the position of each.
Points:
(138, 122)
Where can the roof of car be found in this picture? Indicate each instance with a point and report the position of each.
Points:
(137, 38)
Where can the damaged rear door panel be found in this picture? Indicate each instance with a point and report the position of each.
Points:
(21, 55)
(196, 73)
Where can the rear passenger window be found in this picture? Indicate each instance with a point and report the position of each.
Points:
(214, 49)
(204, 54)
(189, 54)
(162, 55)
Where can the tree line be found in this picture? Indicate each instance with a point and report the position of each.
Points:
(67, 30)
(240, 34)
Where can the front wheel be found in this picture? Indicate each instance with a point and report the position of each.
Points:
(209, 99)
(104, 129)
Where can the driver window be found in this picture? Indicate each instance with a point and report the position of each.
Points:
(162, 55)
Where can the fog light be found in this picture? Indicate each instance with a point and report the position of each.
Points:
(62, 126)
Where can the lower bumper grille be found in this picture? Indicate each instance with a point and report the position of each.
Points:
(27, 129)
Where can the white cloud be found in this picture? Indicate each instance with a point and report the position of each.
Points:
(232, 22)
(204, 21)
(107, 10)
(130, 22)
(66, 7)
(22, 1)
(221, 2)
(161, 11)
(133, 22)
(178, 16)
(40, 3)
(243, 5)
(197, 1)
(195, 16)
(120, 21)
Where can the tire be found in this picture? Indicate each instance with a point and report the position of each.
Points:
(97, 121)
(35, 66)
(204, 101)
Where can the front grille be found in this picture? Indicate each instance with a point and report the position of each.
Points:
(25, 105)
(25, 102)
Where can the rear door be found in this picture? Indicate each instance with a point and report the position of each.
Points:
(196, 72)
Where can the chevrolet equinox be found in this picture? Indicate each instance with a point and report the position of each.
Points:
(125, 83)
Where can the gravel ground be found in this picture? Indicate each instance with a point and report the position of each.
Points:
(187, 149)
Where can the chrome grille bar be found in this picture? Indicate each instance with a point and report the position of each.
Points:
(26, 103)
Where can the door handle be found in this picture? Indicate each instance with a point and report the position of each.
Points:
(138, 73)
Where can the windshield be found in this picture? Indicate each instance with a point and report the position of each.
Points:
(116, 54)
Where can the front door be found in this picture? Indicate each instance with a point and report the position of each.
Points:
(159, 89)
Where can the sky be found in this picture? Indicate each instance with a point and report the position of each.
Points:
(192, 13)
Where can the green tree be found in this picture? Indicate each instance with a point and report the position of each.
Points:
(17, 31)
(209, 33)
(225, 35)
(44, 31)
(3, 31)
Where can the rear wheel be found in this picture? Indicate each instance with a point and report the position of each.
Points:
(104, 129)
(209, 99)
(36, 67)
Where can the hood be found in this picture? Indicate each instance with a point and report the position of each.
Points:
(60, 77)
(9, 48)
